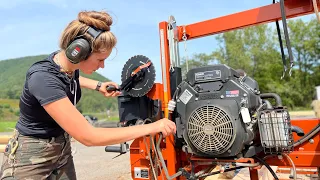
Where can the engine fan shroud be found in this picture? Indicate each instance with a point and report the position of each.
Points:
(211, 130)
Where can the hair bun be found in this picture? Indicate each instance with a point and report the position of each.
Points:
(100, 20)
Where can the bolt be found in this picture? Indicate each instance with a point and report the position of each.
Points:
(290, 176)
(222, 96)
(245, 95)
(196, 99)
(311, 141)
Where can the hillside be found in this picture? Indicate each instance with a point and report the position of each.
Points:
(12, 75)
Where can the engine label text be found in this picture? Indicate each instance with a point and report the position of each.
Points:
(208, 75)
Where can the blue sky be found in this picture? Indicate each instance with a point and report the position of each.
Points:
(33, 27)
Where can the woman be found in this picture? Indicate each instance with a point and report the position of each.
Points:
(40, 148)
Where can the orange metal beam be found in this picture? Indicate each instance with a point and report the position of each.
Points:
(165, 64)
(169, 149)
(264, 14)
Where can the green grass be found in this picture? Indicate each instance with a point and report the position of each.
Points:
(13, 103)
(7, 126)
(113, 118)
(103, 116)
(9, 110)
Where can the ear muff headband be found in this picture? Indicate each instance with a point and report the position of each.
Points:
(80, 48)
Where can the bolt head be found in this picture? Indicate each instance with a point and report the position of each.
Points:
(311, 141)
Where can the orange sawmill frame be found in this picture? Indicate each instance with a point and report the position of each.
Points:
(304, 155)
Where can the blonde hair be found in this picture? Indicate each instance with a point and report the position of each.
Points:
(99, 20)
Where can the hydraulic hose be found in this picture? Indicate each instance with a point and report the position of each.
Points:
(292, 164)
(272, 95)
(248, 164)
(297, 130)
(267, 166)
(150, 157)
(268, 104)
(310, 134)
(158, 151)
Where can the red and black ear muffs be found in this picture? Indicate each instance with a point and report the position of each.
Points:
(80, 48)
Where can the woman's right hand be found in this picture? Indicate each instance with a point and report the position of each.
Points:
(164, 126)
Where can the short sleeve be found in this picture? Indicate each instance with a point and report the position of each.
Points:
(46, 87)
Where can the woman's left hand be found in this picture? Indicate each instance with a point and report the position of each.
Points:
(103, 89)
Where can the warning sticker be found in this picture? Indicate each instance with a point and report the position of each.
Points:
(185, 96)
(142, 173)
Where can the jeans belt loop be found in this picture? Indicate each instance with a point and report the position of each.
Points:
(52, 139)
(16, 135)
(66, 135)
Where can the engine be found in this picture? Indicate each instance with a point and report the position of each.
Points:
(217, 108)
(219, 112)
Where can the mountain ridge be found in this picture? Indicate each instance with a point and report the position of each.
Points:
(12, 77)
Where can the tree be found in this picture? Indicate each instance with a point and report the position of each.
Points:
(305, 38)
(256, 51)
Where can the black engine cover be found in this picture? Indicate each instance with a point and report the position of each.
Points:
(223, 82)
(209, 106)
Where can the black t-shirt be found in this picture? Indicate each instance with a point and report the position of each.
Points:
(45, 84)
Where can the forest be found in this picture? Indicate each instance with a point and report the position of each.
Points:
(256, 50)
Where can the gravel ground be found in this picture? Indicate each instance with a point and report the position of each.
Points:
(93, 163)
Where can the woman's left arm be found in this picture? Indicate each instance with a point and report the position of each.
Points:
(93, 84)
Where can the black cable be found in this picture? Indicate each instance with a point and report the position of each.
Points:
(281, 44)
(174, 97)
(284, 62)
(267, 166)
(286, 34)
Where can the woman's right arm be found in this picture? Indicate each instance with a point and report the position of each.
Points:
(73, 122)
